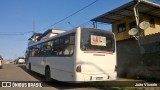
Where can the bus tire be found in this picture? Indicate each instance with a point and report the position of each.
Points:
(47, 74)
(29, 67)
(1, 67)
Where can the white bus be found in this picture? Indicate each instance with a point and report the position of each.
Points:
(81, 54)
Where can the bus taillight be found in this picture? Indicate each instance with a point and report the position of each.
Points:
(78, 69)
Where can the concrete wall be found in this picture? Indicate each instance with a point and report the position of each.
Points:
(128, 56)
(132, 64)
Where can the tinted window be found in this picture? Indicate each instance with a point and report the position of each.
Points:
(122, 27)
(61, 46)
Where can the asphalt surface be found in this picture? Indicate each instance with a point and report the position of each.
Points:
(19, 73)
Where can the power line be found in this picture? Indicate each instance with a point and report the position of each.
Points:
(14, 33)
(155, 1)
(23, 33)
(17, 32)
(71, 15)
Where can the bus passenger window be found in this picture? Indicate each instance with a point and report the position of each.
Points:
(66, 51)
(71, 49)
(33, 52)
(72, 39)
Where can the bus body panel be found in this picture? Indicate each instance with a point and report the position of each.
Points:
(91, 68)
(62, 68)
(97, 63)
(37, 64)
(94, 65)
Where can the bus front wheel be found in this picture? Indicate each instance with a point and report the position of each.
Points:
(47, 74)
(30, 67)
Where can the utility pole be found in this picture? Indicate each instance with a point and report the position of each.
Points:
(136, 13)
(34, 36)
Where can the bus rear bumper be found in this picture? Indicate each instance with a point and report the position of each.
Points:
(96, 77)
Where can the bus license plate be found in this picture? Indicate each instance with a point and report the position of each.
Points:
(99, 78)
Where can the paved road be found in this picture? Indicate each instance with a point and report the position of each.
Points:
(12, 72)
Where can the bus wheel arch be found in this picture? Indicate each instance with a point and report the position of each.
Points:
(47, 73)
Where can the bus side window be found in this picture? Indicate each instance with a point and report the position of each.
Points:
(33, 52)
(72, 39)
(48, 48)
(69, 45)
(56, 43)
(30, 51)
(70, 49)
(72, 42)
(39, 49)
(60, 51)
(65, 47)
(36, 50)
(66, 50)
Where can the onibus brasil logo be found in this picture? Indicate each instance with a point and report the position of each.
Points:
(21, 84)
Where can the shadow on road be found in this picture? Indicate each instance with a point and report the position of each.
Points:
(102, 85)
(64, 85)
(38, 76)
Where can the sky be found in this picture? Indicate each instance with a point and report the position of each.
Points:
(17, 17)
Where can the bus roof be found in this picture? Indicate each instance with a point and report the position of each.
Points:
(64, 33)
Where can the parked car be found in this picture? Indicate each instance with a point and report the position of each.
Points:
(1, 62)
(20, 60)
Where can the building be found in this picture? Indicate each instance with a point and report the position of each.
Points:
(42, 36)
(129, 50)
(34, 38)
(50, 33)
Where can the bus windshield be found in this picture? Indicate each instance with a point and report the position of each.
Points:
(97, 40)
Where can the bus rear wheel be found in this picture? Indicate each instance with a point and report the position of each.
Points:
(47, 74)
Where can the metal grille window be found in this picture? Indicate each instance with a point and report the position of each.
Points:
(121, 27)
